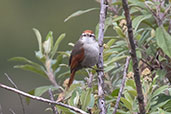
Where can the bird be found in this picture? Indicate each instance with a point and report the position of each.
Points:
(85, 54)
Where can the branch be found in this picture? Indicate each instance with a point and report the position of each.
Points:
(123, 84)
(1, 109)
(140, 96)
(42, 99)
(15, 86)
(55, 111)
(100, 73)
(90, 79)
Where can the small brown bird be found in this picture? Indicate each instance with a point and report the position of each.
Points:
(84, 54)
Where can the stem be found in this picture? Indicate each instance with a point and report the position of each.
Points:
(140, 96)
(42, 99)
(100, 73)
(123, 84)
(15, 86)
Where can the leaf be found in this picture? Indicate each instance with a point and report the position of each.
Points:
(115, 59)
(47, 46)
(41, 90)
(74, 100)
(65, 110)
(39, 39)
(50, 36)
(85, 98)
(58, 61)
(80, 12)
(163, 40)
(23, 59)
(159, 91)
(136, 21)
(27, 98)
(119, 32)
(126, 103)
(32, 68)
(58, 41)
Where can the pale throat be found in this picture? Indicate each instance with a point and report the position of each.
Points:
(88, 40)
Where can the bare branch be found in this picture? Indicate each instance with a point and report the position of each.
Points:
(12, 112)
(100, 73)
(55, 111)
(90, 79)
(140, 96)
(42, 99)
(123, 84)
(15, 86)
(1, 109)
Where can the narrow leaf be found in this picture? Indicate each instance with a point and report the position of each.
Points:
(39, 38)
(136, 21)
(85, 98)
(23, 59)
(164, 40)
(32, 68)
(80, 12)
(41, 90)
(58, 41)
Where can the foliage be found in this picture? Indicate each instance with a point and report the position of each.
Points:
(153, 48)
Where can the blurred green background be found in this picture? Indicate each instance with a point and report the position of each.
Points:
(17, 18)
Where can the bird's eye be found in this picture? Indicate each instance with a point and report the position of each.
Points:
(84, 34)
(91, 35)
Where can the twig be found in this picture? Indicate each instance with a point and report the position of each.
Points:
(123, 84)
(1, 109)
(55, 111)
(42, 99)
(15, 86)
(150, 66)
(12, 112)
(140, 96)
(90, 79)
(49, 71)
(100, 73)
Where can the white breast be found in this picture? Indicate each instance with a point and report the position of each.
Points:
(91, 52)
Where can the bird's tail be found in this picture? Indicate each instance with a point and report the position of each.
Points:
(71, 78)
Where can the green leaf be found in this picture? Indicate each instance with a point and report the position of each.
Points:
(50, 36)
(80, 12)
(47, 46)
(23, 59)
(163, 40)
(32, 68)
(39, 39)
(126, 103)
(27, 98)
(65, 110)
(58, 61)
(74, 100)
(115, 59)
(119, 32)
(159, 91)
(136, 21)
(58, 41)
(41, 90)
(40, 56)
(85, 98)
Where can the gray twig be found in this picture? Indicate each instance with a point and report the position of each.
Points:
(1, 109)
(55, 111)
(123, 84)
(15, 86)
(100, 73)
(42, 99)
(90, 79)
(140, 96)
(12, 112)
